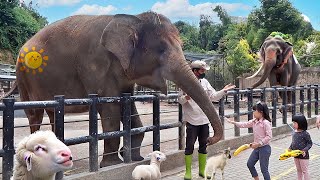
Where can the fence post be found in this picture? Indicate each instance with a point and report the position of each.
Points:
(250, 104)
(182, 128)
(221, 115)
(93, 132)
(284, 106)
(263, 95)
(274, 106)
(126, 120)
(293, 100)
(59, 124)
(302, 100)
(309, 100)
(236, 111)
(316, 97)
(156, 123)
(8, 138)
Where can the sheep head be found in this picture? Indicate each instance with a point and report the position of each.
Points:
(43, 154)
(157, 156)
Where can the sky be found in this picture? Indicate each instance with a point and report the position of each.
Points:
(186, 10)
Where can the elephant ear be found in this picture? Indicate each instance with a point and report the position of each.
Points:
(287, 52)
(262, 53)
(120, 37)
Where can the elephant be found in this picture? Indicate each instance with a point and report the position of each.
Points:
(278, 64)
(106, 55)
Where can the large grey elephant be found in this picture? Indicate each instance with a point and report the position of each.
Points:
(278, 63)
(106, 55)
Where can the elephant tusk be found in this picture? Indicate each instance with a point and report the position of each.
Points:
(255, 74)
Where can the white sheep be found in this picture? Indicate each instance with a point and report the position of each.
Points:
(152, 171)
(40, 156)
(215, 162)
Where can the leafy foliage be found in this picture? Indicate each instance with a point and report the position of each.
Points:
(18, 23)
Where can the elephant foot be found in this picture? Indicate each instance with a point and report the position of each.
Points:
(107, 161)
(135, 155)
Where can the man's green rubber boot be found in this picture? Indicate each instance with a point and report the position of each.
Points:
(202, 158)
(188, 162)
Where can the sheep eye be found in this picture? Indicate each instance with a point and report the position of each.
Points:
(40, 148)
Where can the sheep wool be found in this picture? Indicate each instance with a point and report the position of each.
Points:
(152, 171)
(40, 156)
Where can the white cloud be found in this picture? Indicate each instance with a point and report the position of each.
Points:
(127, 8)
(46, 3)
(95, 9)
(183, 9)
(306, 18)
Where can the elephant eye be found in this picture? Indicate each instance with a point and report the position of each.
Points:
(162, 48)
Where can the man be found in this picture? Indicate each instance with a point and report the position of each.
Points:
(197, 122)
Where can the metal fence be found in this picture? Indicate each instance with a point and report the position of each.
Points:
(307, 95)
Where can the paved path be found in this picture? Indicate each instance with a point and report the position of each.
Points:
(279, 170)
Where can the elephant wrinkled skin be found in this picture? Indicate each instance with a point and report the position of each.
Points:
(278, 64)
(106, 55)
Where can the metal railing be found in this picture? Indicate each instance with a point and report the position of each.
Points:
(9, 106)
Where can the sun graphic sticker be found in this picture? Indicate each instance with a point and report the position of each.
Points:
(32, 60)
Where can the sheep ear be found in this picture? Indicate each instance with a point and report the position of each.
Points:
(28, 158)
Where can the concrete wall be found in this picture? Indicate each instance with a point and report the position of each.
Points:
(175, 159)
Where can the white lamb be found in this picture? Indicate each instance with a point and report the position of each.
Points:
(152, 171)
(215, 162)
(40, 156)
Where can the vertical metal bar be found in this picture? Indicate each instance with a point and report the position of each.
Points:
(126, 116)
(309, 100)
(263, 95)
(274, 106)
(59, 117)
(93, 132)
(302, 100)
(221, 114)
(156, 123)
(316, 97)
(8, 138)
(59, 124)
(293, 101)
(182, 134)
(284, 106)
(236, 111)
(250, 105)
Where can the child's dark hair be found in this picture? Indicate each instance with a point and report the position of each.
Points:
(263, 108)
(301, 120)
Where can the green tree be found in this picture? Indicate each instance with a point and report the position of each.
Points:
(281, 16)
(18, 23)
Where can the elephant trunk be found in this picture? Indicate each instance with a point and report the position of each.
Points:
(269, 63)
(187, 81)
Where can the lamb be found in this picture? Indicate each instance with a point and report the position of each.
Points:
(40, 156)
(152, 171)
(216, 162)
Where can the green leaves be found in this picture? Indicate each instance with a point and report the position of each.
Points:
(18, 24)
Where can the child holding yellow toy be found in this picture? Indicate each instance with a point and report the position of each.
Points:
(262, 133)
(301, 140)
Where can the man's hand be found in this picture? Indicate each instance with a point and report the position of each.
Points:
(230, 121)
(228, 87)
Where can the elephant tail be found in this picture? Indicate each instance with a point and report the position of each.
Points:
(7, 94)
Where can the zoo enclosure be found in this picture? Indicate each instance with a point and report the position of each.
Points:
(307, 95)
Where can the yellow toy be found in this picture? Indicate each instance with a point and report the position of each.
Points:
(292, 153)
(241, 148)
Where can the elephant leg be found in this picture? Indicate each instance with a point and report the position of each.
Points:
(110, 119)
(136, 140)
(51, 118)
(35, 117)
